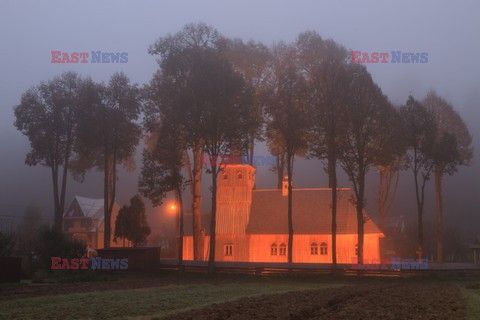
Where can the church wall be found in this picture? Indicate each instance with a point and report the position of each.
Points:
(257, 248)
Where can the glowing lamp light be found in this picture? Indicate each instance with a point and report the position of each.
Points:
(173, 207)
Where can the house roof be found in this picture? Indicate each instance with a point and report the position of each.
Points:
(311, 210)
(87, 207)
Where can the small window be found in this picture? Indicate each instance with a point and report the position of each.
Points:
(356, 249)
(283, 249)
(228, 250)
(239, 175)
(323, 248)
(273, 249)
(225, 176)
(314, 249)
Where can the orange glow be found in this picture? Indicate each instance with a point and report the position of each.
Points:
(173, 207)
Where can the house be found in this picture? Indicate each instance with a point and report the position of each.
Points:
(252, 225)
(83, 220)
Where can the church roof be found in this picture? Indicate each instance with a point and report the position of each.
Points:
(312, 213)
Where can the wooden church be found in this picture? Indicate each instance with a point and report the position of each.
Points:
(252, 224)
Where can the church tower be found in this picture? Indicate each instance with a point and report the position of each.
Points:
(234, 199)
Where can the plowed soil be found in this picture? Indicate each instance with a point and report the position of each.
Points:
(369, 302)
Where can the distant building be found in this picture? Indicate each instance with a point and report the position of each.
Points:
(252, 225)
(83, 220)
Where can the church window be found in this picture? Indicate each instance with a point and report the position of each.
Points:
(323, 248)
(314, 249)
(273, 249)
(228, 250)
(283, 249)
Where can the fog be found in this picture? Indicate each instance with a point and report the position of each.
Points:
(447, 30)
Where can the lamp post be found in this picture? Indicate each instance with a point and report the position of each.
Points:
(177, 208)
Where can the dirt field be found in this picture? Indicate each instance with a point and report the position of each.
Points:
(245, 297)
(404, 301)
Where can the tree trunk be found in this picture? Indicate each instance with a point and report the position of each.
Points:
(360, 220)
(290, 217)
(106, 202)
(420, 214)
(213, 221)
(180, 240)
(198, 241)
(439, 205)
(57, 215)
(61, 205)
(280, 170)
(332, 183)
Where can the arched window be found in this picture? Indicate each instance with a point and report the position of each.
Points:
(239, 175)
(323, 248)
(314, 249)
(273, 249)
(225, 176)
(283, 249)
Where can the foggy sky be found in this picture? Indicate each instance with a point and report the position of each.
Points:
(447, 30)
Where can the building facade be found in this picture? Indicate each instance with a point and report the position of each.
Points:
(83, 220)
(252, 225)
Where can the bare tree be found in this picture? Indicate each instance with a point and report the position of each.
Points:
(453, 148)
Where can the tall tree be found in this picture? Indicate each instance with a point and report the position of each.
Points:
(453, 148)
(367, 137)
(420, 131)
(287, 117)
(176, 91)
(163, 162)
(250, 60)
(226, 102)
(108, 135)
(324, 64)
(47, 115)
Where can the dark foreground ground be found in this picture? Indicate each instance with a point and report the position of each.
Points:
(410, 301)
(169, 296)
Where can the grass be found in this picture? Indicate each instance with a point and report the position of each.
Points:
(151, 302)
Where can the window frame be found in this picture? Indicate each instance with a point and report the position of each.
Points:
(228, 250)
(323, 249)
(273, 249)
(314, 249)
